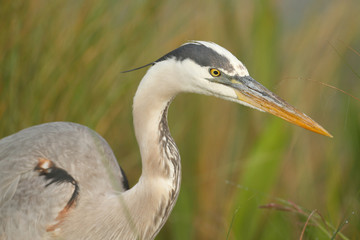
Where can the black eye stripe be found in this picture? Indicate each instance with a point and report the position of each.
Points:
(200, 54)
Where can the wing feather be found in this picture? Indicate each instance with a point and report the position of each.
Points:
(28, 199)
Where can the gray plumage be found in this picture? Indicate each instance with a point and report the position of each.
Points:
(62, 181)
(25, 202)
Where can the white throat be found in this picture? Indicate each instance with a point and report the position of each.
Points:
(159, 184)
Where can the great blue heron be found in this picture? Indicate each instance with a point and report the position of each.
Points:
(61, 180)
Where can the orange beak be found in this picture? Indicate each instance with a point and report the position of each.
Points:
(257, 96)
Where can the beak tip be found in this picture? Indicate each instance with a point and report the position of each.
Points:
(329, 135)
(322, 131)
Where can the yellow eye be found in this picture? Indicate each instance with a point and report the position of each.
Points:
(215, 72)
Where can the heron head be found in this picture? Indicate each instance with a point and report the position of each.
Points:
(207, 68)
(210, 69)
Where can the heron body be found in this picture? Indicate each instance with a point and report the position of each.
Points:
(62, 181)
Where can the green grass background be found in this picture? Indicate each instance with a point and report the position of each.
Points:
(62, 60)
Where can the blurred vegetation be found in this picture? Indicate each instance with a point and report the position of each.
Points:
(62, 61)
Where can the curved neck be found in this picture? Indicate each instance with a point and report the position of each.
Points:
(159, 183)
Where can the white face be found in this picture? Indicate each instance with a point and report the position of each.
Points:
(197, 81)
(204, 79)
